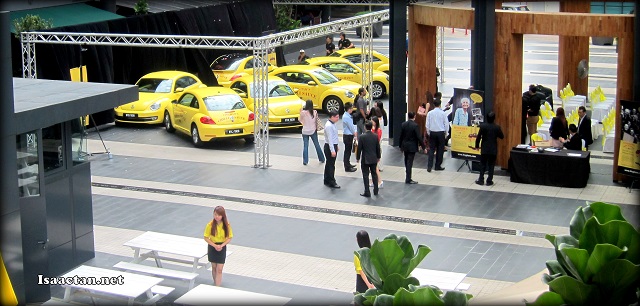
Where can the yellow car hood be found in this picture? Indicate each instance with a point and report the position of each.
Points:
(285, 106)
(348, 85)
(146, 99)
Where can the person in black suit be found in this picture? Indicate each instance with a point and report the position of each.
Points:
(584, 127)
(410, 139)
(369, 148)
(575, 141)
(488, 135)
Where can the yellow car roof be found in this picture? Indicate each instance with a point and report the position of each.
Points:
(327, 59)
(211, 91)
(352, 51)
(168, 74)
(249, 78)
(296, 68)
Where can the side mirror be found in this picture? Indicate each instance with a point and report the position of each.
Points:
(179, 89)
(295, 90)
(311, 83)
(356, 71)
(174, 101)
(242, 95)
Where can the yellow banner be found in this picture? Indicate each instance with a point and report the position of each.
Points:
(463, 139)
(8, 295)
(629, 155)
(75, 74)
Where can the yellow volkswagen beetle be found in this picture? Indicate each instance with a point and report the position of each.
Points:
(210, 113)
(156, 90)
(284, 104)
(229, 67)
(380, 61)
(346, 70)
(318, 85)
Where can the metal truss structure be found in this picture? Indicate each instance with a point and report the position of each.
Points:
(259, 45)
(340, 2)
(367, 61)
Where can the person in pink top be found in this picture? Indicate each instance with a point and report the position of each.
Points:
(309, 130)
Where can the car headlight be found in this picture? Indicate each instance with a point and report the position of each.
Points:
(349, 94)
(387, 77)
(155, 106)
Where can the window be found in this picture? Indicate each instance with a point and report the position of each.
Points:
(324, 76)
(223, 103)
(79, 150)
(240, 87)
(338, 68)
(186, 100)
(356, 58)
(185, 82)
(27, 158)
(52, 148)
(154, 85)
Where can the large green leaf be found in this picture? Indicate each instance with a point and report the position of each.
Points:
(384, 300)
(573, 291)
(405, 245)
(618, 280)
(577, 223)
(421, 253)
(548, 298)
(558, 240)
(422, 296)
(602, 254)
(605, 212)
(577, 260)
(554, 267)
(367, 298)
(616, 232)
(364, 255)
(386, 257)
(455, 298)
(396, 281)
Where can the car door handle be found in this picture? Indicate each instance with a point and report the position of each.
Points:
(44, 243)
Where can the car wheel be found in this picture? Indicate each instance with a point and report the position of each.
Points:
(195, 136)
(332, 103)
(250, 139)
(377, 90)
(167, 123)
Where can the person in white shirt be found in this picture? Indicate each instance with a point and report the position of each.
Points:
(437, 127)
(331, 149)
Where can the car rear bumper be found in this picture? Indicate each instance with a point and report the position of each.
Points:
(208, 133)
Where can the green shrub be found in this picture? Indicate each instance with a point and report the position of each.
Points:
(31, 23)
(598, 263)
(388, 266)
(141, 7)
(284, 22)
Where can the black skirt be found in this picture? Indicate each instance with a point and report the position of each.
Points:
(361, 286)
(217, 257)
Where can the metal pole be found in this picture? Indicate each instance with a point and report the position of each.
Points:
(261, 104)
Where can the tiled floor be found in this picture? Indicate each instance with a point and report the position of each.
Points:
(294, 237)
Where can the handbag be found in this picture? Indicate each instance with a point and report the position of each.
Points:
(354, 148)
(319, 126)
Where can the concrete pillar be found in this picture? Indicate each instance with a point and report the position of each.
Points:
(483, 39)
(398, 70)
(11, 235)
(571, 50)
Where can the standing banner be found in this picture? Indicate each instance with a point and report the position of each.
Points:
(629, 151)
(467, 112)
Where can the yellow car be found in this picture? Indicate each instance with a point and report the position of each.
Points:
(346, 70)
(156, 90)
(354, 55)
(284, 104)
(229, 67)
(318, 85)
(210, 113)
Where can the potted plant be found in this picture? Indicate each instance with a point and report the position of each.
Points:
(597, 264)
(30, 23)
(388, 265)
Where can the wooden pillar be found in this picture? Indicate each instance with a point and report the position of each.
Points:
(508, 86)
(624, 90)
(422, 62)
(571, 50)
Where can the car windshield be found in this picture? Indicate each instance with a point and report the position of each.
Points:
(223, 103)
(154, 85)
(276, 89)
(336, 54)
(324, 76)
(228, 62)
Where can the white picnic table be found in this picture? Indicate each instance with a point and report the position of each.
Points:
(441, 279)
(212, 295)
(131, 286)
(156, 243)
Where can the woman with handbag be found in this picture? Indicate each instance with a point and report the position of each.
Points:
(311, 124)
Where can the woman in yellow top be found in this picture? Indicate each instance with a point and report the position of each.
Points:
(218, 234)
(362, 283)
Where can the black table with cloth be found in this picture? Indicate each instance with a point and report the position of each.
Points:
(550, 168)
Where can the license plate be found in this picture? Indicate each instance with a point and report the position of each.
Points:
(131, 115)
(289, 120)
(233, 132)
